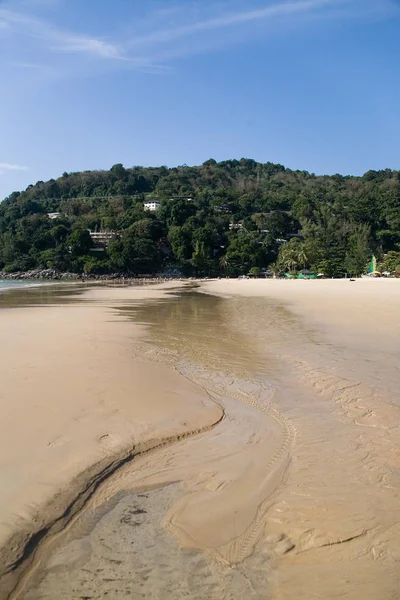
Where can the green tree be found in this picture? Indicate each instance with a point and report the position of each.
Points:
(293, 255)
(255, 271)
(118, 171)
(136, 255)
(331, 267)
(359, 251)
(95, 266)
(224, 263)
(391, 262)
(79, 242)
(244, 251)
(181, 244)
(276, 268)
(201, 259)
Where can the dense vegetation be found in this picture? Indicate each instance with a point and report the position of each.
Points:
(240, 216)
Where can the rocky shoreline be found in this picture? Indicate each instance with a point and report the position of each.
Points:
(54, 275)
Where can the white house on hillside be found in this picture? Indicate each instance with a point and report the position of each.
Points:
(152, 205)
(101, 239)
(233, 226)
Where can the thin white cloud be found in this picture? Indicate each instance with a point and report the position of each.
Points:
(4, 166)
(10, 168)
(92, 46)
(230, 19)
(57, 39)
(26, 65)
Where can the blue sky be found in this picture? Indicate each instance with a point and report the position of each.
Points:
(311, 84)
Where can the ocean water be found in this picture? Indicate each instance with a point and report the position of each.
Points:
(6, 284)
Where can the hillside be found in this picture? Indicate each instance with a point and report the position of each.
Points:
(217, 218)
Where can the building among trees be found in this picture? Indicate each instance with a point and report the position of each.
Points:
(152, 205)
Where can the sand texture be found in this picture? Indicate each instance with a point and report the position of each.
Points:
(274, 409)
(74, 404)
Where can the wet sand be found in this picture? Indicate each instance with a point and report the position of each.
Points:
(340, 341)
(74, 404)
(294, 494)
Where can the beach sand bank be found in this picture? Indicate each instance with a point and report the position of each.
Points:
(294, 494)
(340, 342)
(74, 401)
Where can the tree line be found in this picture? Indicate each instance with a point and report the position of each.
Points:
(226, 218)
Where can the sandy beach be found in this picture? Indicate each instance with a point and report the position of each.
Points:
(273, 410)
(74, 402)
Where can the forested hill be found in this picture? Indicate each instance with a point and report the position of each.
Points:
(228, 217)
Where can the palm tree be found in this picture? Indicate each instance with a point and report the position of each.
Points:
(302, 256)
(288, 258)
(224, 263)
(276, 268)
(293, 255)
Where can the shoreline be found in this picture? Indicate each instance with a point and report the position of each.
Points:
(54, 275)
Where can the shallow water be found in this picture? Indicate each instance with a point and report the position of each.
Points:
(294, 495)
(19, 295)
(7, 284)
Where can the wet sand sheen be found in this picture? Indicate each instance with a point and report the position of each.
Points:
(297, 486)
(74, 406)
(229, 474)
